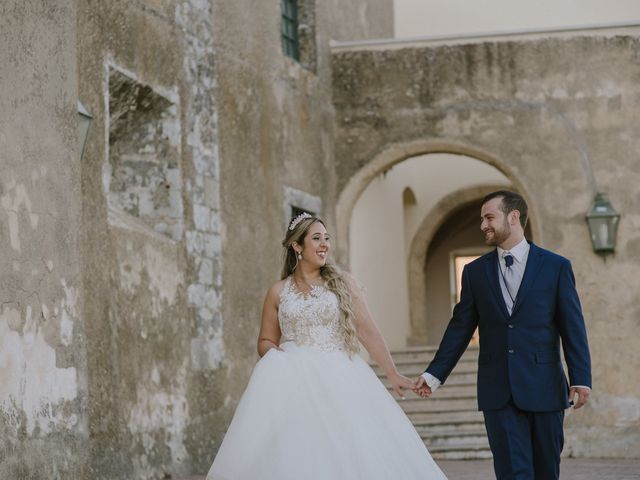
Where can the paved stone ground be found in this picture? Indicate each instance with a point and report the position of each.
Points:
(570, 469)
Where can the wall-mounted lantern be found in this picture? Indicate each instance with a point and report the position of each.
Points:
(603, 224)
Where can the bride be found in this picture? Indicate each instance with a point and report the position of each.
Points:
(313, 409)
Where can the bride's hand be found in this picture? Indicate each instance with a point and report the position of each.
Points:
(400, 382)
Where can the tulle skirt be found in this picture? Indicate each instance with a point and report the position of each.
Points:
(313, 415)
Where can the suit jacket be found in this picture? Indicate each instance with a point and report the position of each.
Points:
(519, 353)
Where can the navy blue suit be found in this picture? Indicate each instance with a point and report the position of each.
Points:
(519, 365)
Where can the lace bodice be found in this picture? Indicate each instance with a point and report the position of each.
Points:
(310, 320)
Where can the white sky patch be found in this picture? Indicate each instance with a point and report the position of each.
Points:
(421, 18)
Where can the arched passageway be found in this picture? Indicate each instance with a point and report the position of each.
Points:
(391, 228)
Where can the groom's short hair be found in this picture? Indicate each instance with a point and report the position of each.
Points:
(511, 201)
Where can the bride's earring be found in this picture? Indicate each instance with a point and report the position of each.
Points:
(299, 255)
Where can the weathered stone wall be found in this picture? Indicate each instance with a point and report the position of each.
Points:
(152, 245)
(43, 381)
(558, 115)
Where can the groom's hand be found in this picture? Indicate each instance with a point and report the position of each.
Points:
(421, 388)
(583, 396)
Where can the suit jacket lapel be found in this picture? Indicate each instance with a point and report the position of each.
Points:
(491, 269)
(534, 264)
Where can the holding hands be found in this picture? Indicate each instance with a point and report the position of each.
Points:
(421, 387)
(400, 382)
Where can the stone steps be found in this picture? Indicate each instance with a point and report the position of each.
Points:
(446, 429)
(414, 370)
(448, 422)
(425, 354)
(451, 419)
(470, 451)
(460, 390)
(416, 367)
(467, 436)
(457, 377)
(437, 404)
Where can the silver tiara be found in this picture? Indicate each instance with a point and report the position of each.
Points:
(298, 219)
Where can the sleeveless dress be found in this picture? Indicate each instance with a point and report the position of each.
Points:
(311, 412)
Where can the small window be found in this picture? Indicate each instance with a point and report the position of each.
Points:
(299, 31)
(296, 201)
(144, 154)
(290, 37)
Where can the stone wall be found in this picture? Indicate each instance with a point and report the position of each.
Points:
(43, 381)
(558, 116)
(151, 196)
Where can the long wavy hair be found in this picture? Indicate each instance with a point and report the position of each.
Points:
(331, 274)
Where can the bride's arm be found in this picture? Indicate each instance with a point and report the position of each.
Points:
(269, 336)
(371, 338)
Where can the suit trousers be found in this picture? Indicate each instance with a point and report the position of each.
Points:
(525, 445)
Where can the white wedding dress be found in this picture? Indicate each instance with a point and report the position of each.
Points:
(312, 413)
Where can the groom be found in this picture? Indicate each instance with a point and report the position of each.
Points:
(524, 301)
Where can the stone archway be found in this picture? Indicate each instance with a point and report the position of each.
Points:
(397, 153)
(403, 319)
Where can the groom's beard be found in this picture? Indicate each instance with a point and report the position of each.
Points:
(499, 235)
